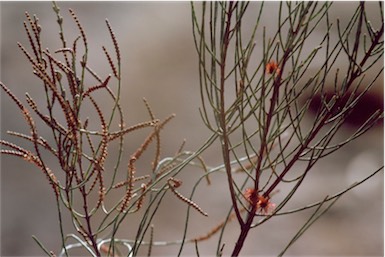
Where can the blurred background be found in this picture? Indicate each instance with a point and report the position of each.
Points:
(159, 63)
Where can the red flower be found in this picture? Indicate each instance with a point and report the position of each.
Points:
(272, 67)
(262, 204)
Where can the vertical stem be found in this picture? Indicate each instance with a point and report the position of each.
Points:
(222, 114)
(88, 220)
(245, 228)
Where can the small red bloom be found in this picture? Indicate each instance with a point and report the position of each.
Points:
(272, 67)
(251, 195)
(265, 205)
(262, 204)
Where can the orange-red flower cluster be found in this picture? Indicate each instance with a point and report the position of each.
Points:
(262, 203)
(272, 67)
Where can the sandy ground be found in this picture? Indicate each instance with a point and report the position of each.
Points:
(159, 62)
